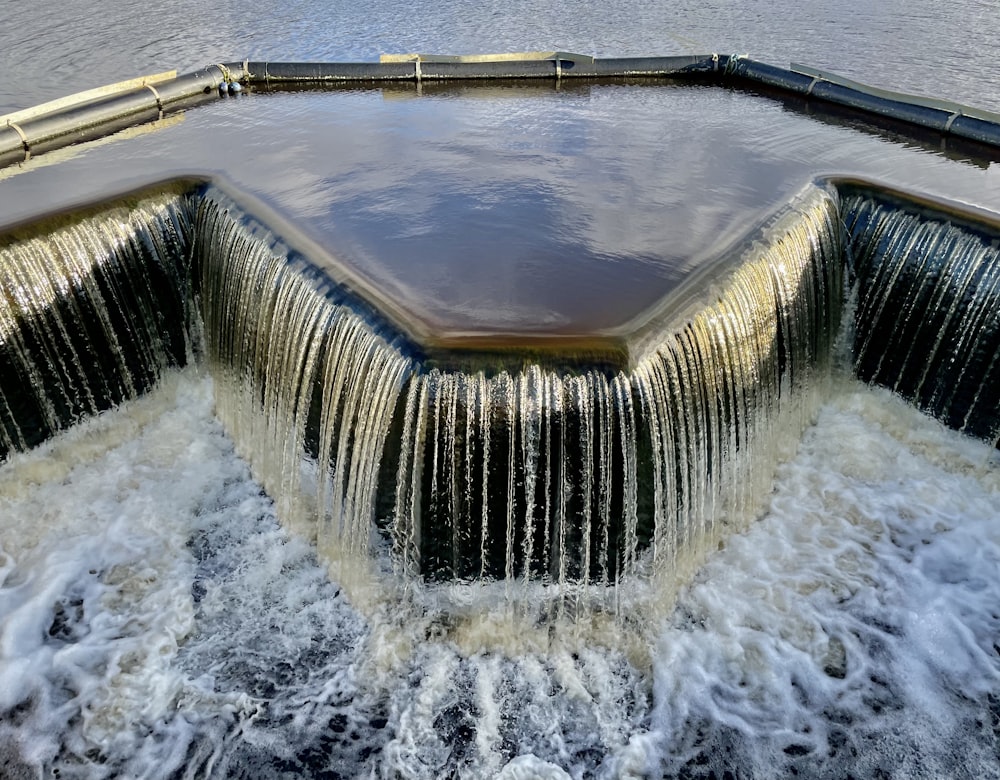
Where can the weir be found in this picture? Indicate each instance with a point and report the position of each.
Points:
(300, 372)
(928, 311)
(533, 469)
(92, 311)
(577, 476)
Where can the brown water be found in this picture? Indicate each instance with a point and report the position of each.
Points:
(152, 631)
(510, 209)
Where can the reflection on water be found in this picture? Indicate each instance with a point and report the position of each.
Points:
(150, 631)
(521, 208)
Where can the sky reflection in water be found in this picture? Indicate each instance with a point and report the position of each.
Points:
(512, 208)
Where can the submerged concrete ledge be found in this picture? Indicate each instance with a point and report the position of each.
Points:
(103, 111)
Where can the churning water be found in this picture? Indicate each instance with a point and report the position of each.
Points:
(152, 631)
(158, 621)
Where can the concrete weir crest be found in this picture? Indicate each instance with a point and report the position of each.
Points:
(563, 464)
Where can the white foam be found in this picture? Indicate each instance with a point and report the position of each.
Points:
(96, 595)
(531, 767)
(155, 621)
(859, 612)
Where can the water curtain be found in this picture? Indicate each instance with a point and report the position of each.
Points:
(928, 311)
(563, 477)
(726, 398)
(91, 312)
(537, 473)
(305, 384)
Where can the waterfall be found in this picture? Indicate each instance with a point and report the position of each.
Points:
(928, 308)
(306, 381)
(544, 473)
(525, 475)
(540, 473)
(726, 398)
(93, 309)
(590, 476)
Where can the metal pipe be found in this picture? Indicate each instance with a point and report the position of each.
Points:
(26, 133)
(76, 121)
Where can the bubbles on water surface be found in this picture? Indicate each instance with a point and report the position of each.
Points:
(852, 631)
(156, 622)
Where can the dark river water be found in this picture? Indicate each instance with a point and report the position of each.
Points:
(157, 622)
(508, 209)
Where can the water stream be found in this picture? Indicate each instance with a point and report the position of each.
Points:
(376, 568)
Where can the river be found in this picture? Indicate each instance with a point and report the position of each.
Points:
(156, 631)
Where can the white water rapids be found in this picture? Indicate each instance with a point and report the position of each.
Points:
(156, 622)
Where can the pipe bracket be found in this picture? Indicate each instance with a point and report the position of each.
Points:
(159, 100)
(24, 139)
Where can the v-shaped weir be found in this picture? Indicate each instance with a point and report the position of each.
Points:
(525, 471)
(543, 466)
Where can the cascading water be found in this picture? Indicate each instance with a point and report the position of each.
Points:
(538, 474)
(542, 474)
(152, 631)
(527, 475)
(92, 311)
(583, 477)
(727, 398)
(928, 310)
(299, 374)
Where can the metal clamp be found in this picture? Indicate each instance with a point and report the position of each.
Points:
(24, 139)
(951, 119)
(159, 100)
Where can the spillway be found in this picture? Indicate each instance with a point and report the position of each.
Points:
(526, 470)
(928, 309)
(530, 473)
(92, 312)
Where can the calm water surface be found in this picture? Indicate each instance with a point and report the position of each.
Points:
(511, 208)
